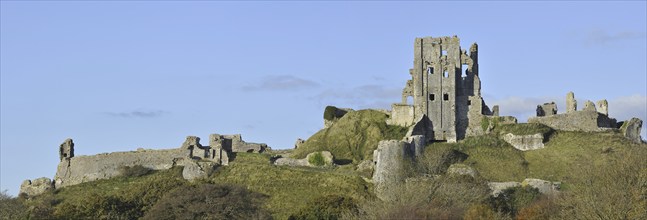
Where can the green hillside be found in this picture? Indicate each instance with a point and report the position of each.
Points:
(353, 137)
(603, 175)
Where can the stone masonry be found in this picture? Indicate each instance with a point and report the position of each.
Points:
(589, 119)
(445, 87)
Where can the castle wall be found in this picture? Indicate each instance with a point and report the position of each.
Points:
(80, 169)
(401, 115)
(589, 121)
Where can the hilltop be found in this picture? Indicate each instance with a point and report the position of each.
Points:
(445, 155)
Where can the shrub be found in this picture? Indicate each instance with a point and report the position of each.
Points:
(317, 159)
(511, 200)
(328, 207)
(11, 208)
(134, 171)
(209, 201)
(479, 211)
(330, 113)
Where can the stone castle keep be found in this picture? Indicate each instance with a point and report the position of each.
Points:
(445, 89)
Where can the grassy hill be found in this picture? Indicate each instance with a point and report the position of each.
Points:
(353, 137)
(603, 175)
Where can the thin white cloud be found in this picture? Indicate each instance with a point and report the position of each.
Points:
(365, 96)
(137, 114)
(281, 83)
(599, 36)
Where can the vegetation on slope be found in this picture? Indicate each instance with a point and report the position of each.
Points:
(353, 137)
(289, 189)
(603, 176)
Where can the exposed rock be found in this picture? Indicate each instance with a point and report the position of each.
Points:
(544, 187)
(631, 129)
(461, 169)
(603, 107)
(66, 150)
(571, 103)
(328, 159)
(197, 169)
(299, 143)
(498, 187)
(286, 161)
(525, 142)
(37, 186)
(589, 106)
(366, 166)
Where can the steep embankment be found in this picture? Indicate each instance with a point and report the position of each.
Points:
(353, 137)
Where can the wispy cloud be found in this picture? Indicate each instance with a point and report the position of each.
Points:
(137, 114)
(598, 36)
(281, 83)
(627, 107)
(365, 96)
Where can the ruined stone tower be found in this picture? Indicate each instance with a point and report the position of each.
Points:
(444, 86)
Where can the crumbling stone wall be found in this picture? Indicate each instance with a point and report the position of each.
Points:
(589, 121)
(445, 87)
(401, 115)
(80, 169)
(547, 109)
(390, 159)
(197, 160)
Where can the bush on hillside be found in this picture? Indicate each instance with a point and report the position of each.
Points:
(317, 159)
(134, 171)
(330, 207)
(209, 201)
(11, 208)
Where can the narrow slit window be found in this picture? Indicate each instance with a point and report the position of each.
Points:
(445, 74)
(446, 97)
(469, 102)
(430, 70)
(432, 97)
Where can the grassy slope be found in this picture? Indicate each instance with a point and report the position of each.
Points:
(289, 189)
(353, 137)
(496, 160)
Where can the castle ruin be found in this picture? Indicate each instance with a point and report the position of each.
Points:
(446, 91)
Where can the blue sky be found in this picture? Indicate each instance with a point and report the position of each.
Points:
(116, 76)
